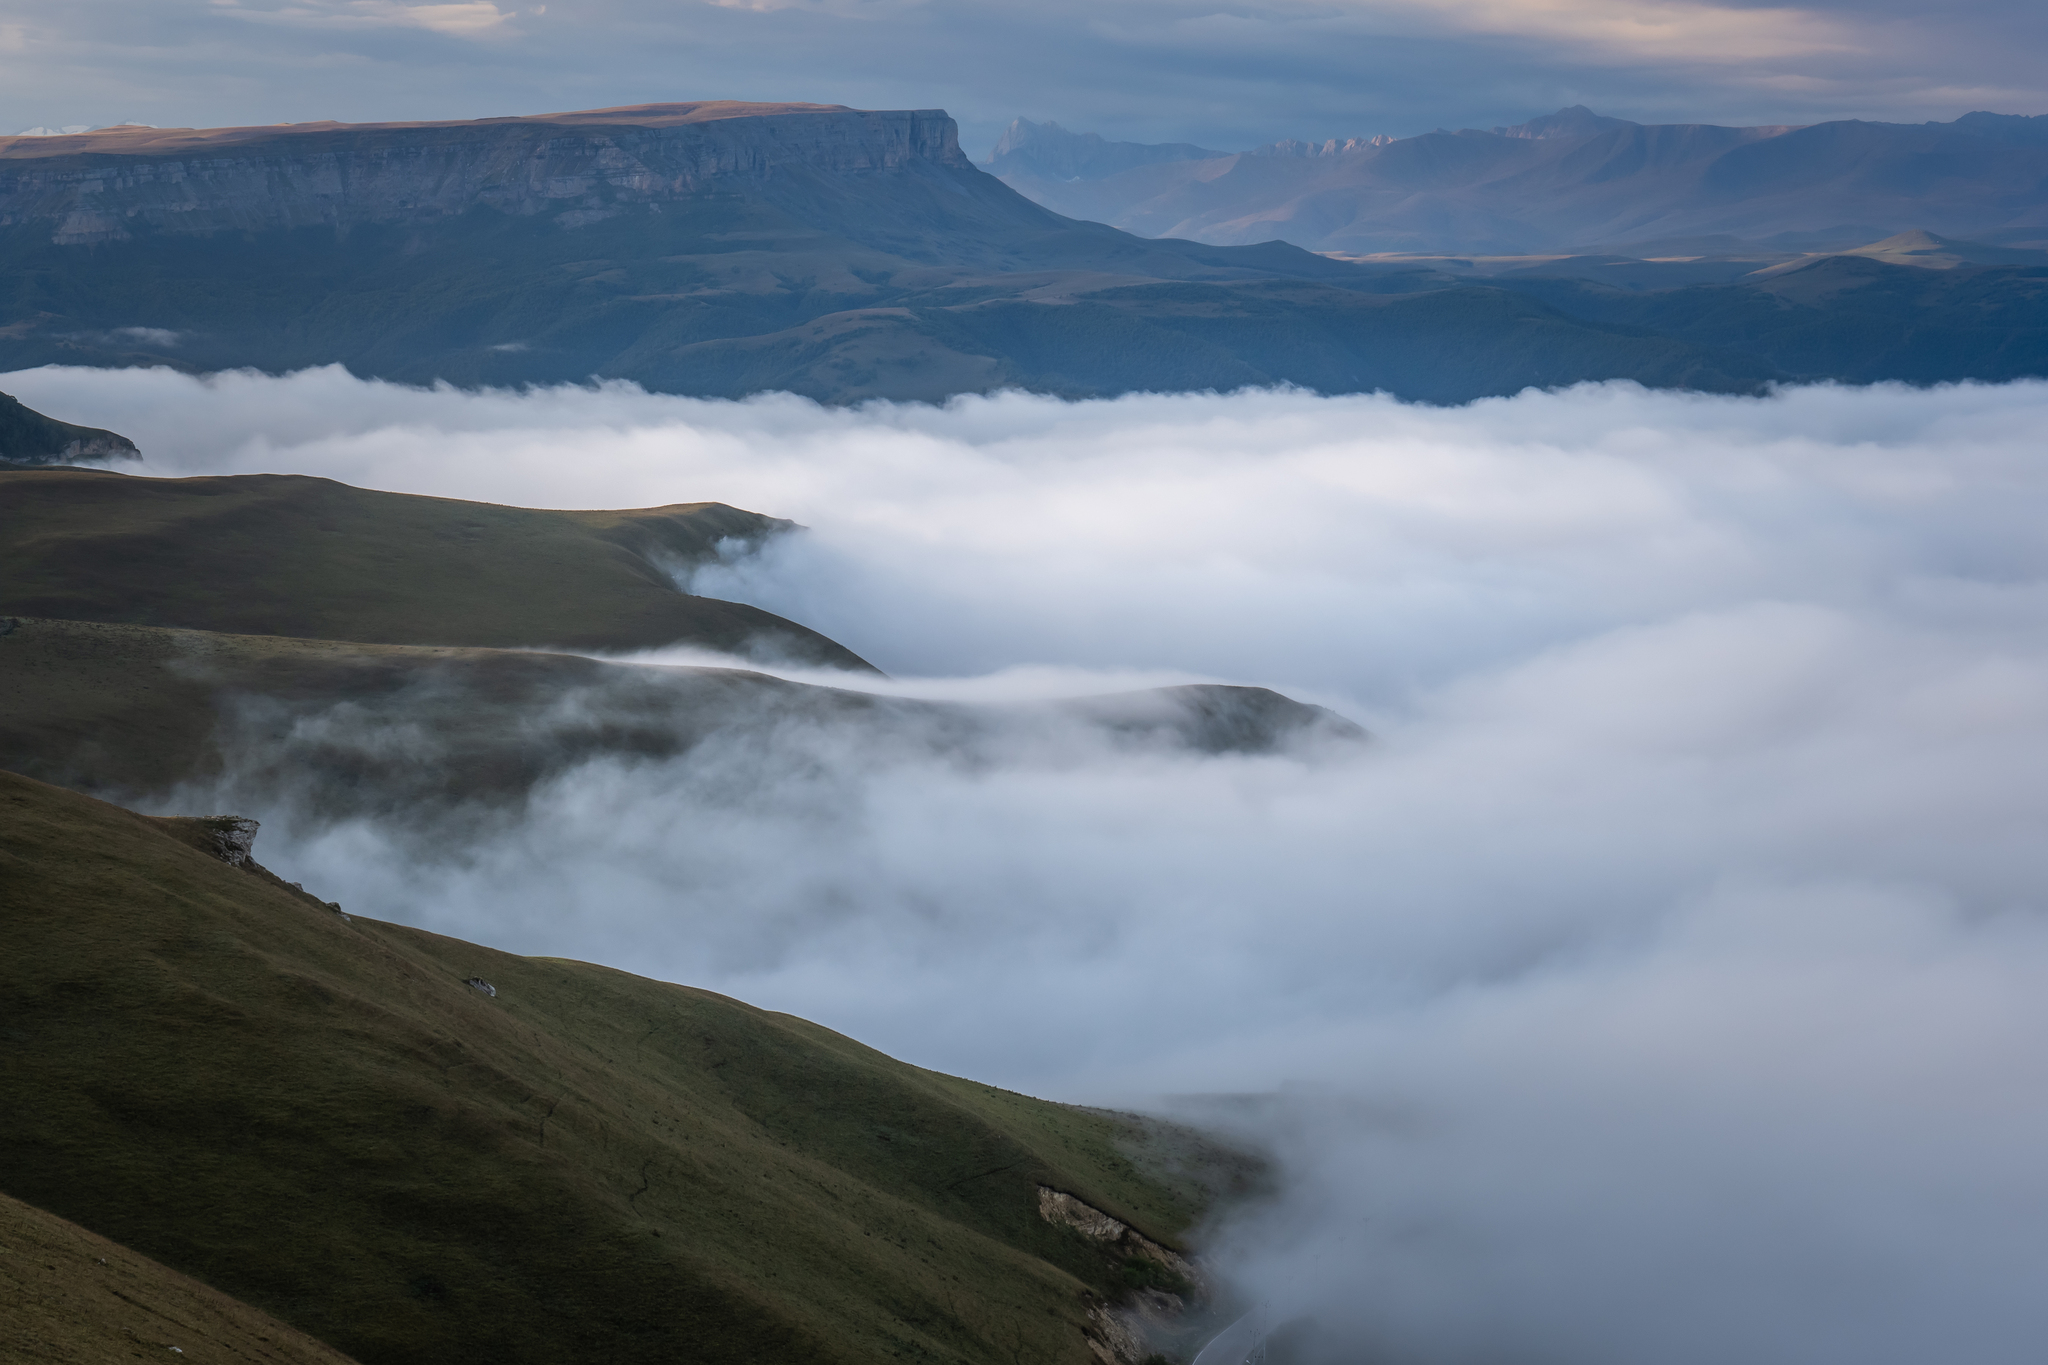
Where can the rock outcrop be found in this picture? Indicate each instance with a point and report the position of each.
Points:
(1059, 1207)
(1120, 1335)
(574, 168)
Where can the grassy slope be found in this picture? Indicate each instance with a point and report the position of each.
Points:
(320, 1118)
(70, 1297)
(288, 555)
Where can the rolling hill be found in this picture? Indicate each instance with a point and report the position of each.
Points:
(289, 555)
(414, 1149)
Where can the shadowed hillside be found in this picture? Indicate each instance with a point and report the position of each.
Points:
(69, 1297)
(289, 555)
(422, 1150)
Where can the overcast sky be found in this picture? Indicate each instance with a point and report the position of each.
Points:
(1225, 73)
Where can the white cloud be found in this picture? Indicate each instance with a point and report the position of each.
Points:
(1663, 984)
(1625, 30)
(460, 19)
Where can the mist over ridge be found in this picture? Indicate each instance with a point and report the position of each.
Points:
(1663, 978)
(982, 683)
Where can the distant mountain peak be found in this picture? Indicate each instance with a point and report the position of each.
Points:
(1331, 147)
(1577, 121)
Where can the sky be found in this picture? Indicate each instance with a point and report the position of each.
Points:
(1663, 981)
(1229, 76)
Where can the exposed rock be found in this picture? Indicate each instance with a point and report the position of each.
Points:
(1112, 1342)
(1057, 1206)
(233, 837)
(1118, 1334)
(1330, 147)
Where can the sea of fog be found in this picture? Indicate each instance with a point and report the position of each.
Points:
(1665, 984)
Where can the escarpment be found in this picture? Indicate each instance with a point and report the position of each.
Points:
(576, 168)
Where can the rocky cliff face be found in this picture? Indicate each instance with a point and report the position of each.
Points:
(575, 168)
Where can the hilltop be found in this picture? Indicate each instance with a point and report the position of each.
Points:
(276, 554)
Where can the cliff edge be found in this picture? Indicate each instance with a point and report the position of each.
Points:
(575, 168)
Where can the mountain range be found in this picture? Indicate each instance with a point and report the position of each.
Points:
(1570, 181)
(722, 249)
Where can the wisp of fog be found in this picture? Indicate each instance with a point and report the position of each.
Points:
(1666, 981)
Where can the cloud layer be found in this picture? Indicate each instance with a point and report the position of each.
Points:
(1149, 70)
(1665, 982)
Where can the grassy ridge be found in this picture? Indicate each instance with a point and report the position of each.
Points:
(287, 555)
(130, 712)
(69, 1297)
(319, 1117)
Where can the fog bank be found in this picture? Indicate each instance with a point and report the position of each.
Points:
(1665, 980)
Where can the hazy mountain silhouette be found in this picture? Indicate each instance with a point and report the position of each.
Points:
(1048, 151)
(1576, 178)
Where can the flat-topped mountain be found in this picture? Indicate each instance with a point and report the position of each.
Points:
(119, 183)
(1576, 178)
(708, 249)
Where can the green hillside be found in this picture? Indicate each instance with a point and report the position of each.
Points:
(70, 1297)
(267, 554)
(315, 1114)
